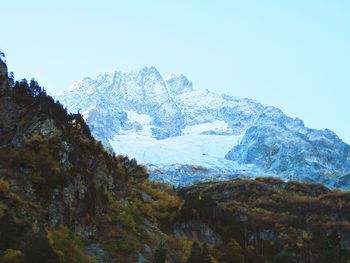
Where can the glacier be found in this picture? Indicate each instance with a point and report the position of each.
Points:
(186, 135)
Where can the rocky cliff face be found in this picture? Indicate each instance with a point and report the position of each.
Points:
(283, 146)
(24, 134)
(170, 103)
(165, 123)
(63, 198)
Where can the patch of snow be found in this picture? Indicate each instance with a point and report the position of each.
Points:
(76, 85)
(172, 76)
(164, 121)
(143, 119)
(86, 113)
(203, 150)
(217, 126)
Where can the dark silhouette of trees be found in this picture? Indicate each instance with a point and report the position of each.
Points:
(32, 94)
(331, 248)
(79, 123)
(40, 251)
(160, 252)
(233, 252)
(34, 88)
(198, 254)
(205, 254)
(283, 257)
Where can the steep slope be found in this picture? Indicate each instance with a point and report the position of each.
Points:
(284, 146)
(273, 221)
(171, 104)
(63, 198)
(175, 130)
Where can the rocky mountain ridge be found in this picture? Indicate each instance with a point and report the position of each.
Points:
(64, 198)
(129, 112)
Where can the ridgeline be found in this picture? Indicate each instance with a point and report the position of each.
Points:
(64, 198)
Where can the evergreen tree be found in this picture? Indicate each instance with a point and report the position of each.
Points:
(283, 257)
(79, 122)
(233, 252)
(40, 251)
(331, 248)
(196, 254)
(205, 254)
(34, 88)
(160, 253)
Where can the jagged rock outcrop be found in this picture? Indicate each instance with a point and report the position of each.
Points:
(63, 197)
(284, 146)
(147, 116)
(170, 103)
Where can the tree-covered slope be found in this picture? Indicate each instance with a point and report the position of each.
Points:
(270, 218)
(63, 198)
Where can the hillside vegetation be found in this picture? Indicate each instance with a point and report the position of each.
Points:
(63, 198)
(270, 218)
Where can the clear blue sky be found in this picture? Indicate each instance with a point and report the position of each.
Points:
(293, 54)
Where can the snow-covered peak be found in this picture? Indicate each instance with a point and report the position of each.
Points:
(76, 85)
(173, 75)
(273, 114)
(82, 85)
(163, 120)
(150, 72)
(178, 83)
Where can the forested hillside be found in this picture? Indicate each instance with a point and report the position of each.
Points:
(63, 198)
(274, 221)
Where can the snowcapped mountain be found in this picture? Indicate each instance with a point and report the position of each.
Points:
(186, 135)
(284, 146)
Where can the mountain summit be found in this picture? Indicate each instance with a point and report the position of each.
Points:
(186, 135)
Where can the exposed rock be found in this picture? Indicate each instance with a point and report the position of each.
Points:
(96, 251)
(199, 230)
(127, 110)
(283, 146)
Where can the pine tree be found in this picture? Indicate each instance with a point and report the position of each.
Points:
(234, 252)
(331, 248)
(282, 257)
(160, 253)
(205, 254)
(196, 254)
(199, 255)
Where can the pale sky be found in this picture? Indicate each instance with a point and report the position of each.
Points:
(293, 54)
